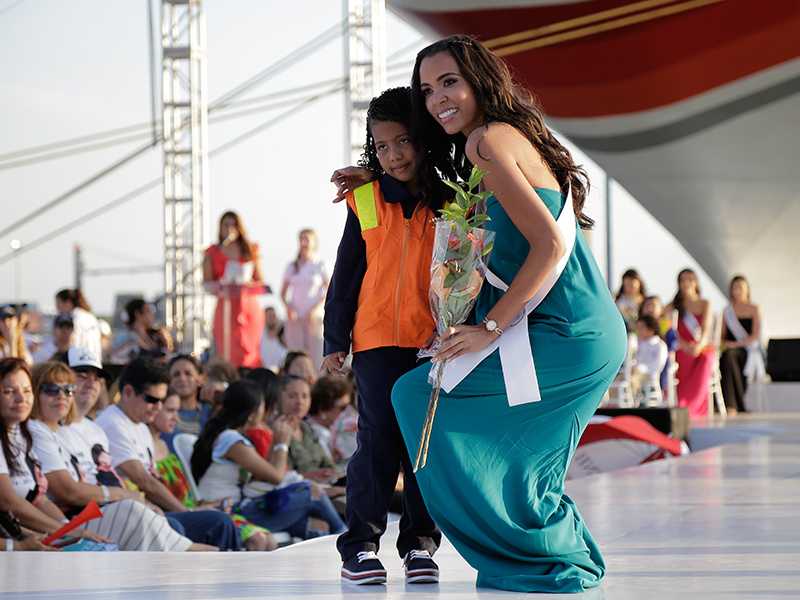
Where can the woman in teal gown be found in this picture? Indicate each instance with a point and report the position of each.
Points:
(494, 478)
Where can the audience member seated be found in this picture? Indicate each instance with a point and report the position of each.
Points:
(222, 450)
(143, 386)
(170, 469)
(306, 454)
(23, 489)
(629, 298)
(651, 354)
(127, 521)
(299, 364)
(344, 429)
(12, 339)
(330, 396)
(186, 378)
(741, 359)
(695, 355)
(652, 307)
(272, 345)
(139, 337)
(55, 343)
(86, 328)
(261, 433)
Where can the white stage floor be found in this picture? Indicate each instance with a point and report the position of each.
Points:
(720, 523)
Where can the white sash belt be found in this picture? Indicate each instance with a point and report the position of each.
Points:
(519, 372)
(754, 364)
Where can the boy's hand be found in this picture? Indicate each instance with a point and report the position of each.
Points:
(334, 363)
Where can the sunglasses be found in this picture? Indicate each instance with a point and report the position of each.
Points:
(151, 399)
(52, 389)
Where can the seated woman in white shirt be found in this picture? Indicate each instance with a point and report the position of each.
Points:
(222, 450)
(127, 520)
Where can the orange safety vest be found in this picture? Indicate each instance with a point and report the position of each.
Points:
(393, 307)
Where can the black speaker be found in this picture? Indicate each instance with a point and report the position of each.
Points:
(783, 359)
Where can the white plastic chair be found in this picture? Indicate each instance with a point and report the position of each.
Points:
(672, 368)
(184, 446)
(624, 395)
(652, 395)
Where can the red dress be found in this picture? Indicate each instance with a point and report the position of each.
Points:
(247, 320)
(694, 374)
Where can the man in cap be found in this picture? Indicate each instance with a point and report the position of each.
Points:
(56, 343)
(90, 375)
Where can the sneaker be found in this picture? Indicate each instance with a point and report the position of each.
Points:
(363, 568)
(420, 568)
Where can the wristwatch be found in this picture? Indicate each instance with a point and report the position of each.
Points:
(491, 325)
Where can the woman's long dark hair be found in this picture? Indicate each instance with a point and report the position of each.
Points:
(76, 297)
(501, 101)
(679, 302)
(395, 105)
(632, 274)
(270, 384)
(246, 248)
(9, 366)
(240, 400)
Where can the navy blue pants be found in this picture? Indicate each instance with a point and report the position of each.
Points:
(373, 469)
(210, 527)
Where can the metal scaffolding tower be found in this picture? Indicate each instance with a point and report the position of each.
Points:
(185, 118)
(365, 61)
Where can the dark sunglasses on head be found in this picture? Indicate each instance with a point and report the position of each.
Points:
(151, 399)
(52, 389)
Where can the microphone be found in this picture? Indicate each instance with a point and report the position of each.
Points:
(229, 239)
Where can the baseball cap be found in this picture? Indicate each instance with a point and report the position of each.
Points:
(83, 359)
(7, 311)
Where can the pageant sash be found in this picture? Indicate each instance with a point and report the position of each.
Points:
(693, 325)
(516, 357)
(754, 364)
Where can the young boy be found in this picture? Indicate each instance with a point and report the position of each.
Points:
(378, 300)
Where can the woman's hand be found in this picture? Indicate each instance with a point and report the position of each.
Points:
(320, 475)
(87, 534)
(282, 429)
(334, 363)
(348, 179)
(291, 315)
(463, 339)
(32, 541)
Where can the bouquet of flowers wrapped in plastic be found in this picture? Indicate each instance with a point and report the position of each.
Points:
(461, 250)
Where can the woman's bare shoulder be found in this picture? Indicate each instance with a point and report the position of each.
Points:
(494, 140)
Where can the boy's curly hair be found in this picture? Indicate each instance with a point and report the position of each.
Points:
(395, 105)
(392, 105)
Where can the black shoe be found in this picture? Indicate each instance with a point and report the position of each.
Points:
(363, 568)
(420, 568)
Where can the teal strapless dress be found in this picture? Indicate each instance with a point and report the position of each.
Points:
(494, 479)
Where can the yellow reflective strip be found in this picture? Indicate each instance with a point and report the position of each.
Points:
(365, 206)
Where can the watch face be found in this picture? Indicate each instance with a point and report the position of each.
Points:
(491, 324)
